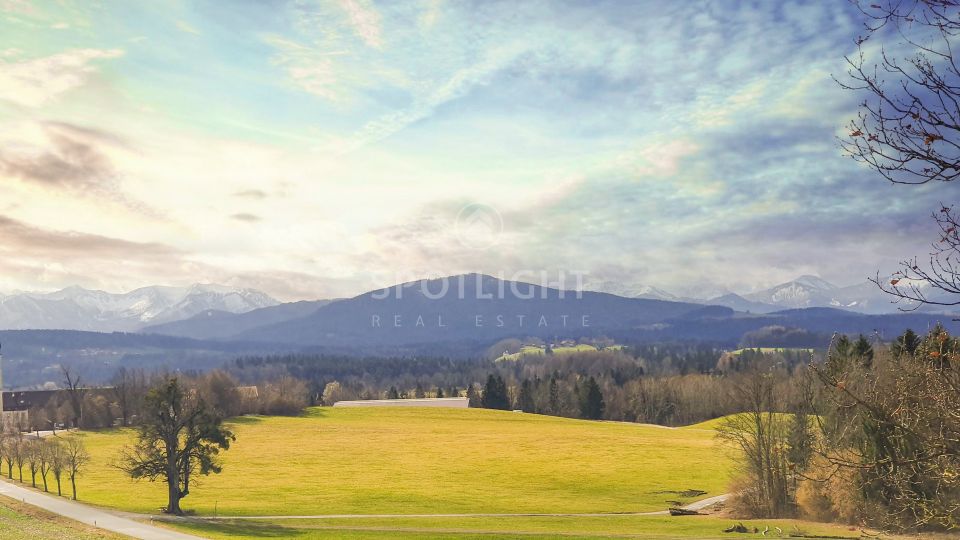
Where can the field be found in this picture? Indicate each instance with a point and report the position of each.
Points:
(772, 350)
(437, 461)
(530, 350)
(402, 461)
(24, 522)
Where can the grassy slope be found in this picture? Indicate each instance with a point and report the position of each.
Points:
(646, 527)
(20, 521)
(534, 350)
(380, 460)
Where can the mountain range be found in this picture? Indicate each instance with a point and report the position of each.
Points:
(804, 292)
(76, 308)
(217, 312)
(456, 317)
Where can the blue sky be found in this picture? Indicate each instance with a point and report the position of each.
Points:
(318, 149)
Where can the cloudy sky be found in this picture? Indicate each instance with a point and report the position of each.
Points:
(319, 149)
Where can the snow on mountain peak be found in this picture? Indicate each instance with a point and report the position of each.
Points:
(76, 308)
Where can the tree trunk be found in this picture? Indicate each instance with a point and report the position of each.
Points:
(59, 493)
(73, 484)
(173, 478)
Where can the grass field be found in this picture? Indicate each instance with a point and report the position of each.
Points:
(771, 350)
(439, 461)
(643, 527)
(20, 521)
(531, 350)
(402, 461)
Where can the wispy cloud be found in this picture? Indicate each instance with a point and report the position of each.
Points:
(34, 82)
(365, 21)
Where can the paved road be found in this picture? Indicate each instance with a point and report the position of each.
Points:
(90, 515)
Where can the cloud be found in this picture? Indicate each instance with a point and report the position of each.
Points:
(37, 81)
(24, 240)
(365, 21)
(184, 26)
(246, 217)
(251, 194)
(73, 161)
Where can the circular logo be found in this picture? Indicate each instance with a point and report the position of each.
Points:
(478, 226)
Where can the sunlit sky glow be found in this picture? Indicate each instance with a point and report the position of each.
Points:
(319, 149)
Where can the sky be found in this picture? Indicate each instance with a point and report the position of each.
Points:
(322, 149)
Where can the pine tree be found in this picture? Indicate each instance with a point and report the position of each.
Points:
(439, 392)
(863, 351)
(554, 397)
(392, 393)
(907, 343)
(525, 401)
(472, 397)
(418, 392)
(591, 400)
(495, 394)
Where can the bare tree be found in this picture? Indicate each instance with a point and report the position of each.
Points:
(58, 462)
(19, 452)
(6, 451)
(129, 387)
(46, 460)
(33, 453)
(75, 459)
(761, 433)
(935, 281)
(75, 393)
(180, 435)
(894, 423)
(908, 127)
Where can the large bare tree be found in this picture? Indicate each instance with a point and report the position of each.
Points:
(908, 127)
(179, 435)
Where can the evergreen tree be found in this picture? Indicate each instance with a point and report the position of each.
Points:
(418, 392)
(439, 392)
(863, 351)
(495, 394)
(554, 397)
(800, 441)
(392, 393)
(591, 400)
(525, 401)
(472, 397)
(906, 343)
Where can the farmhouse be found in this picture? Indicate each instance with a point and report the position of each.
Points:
(452, 402)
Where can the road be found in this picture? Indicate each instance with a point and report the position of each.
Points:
(90, 515)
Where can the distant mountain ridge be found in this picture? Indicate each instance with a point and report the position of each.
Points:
(213, 324)
(76, 308)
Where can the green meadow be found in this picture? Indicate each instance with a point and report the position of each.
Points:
(411, 461)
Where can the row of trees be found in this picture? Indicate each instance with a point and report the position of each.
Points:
(611, 384)
(59, 458)
(122, 403)
(869, 437)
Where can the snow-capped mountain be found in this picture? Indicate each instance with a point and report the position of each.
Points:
(805, 291)
(739, 303)
(630, 290)
(76, 308)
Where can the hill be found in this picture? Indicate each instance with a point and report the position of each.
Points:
(402, 467)
(218, 324)
(469, 307)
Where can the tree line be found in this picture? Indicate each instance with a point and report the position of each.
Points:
(53, 459)
(870, 435)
